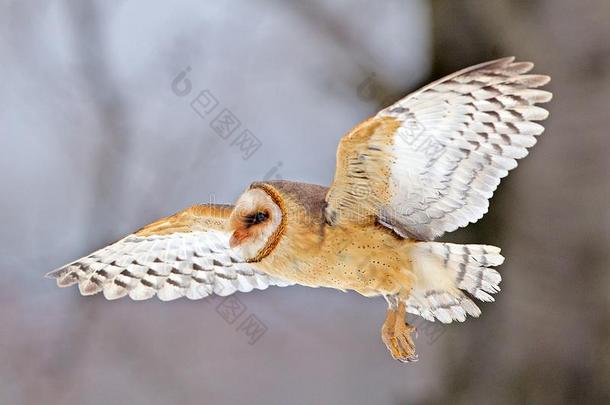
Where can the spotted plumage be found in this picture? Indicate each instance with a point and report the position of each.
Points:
(424, 166)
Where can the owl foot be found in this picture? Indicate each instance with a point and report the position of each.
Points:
(396, 334)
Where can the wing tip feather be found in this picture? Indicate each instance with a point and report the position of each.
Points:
(57, 273)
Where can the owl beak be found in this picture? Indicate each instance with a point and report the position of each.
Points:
(237, 238)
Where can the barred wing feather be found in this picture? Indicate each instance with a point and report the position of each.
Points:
(432, 160)
(169, 259)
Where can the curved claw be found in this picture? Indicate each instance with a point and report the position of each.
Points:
(396, 334)
(414, 358)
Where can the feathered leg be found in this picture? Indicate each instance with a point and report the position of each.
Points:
(396, 332)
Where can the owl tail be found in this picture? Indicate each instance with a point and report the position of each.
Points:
(444, 272)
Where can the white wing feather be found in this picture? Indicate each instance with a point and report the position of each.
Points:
(443, 270)
(193, 265)
(459, 136)
(429, 163)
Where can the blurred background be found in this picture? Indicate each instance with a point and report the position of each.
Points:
(98, 137)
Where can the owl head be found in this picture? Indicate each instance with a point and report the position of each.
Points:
(257, 222)
(268, 211)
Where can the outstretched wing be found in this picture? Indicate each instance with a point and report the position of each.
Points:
(186, 254)
(430, 163)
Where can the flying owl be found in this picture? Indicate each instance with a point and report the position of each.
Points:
(426, 165)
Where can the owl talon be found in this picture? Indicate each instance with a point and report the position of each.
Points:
(396, 334)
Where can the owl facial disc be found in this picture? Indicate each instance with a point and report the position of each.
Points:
(253, 224)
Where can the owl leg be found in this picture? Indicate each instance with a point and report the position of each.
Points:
(396, 332)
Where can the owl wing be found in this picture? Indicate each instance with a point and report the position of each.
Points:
(429, 163)
(186, 254)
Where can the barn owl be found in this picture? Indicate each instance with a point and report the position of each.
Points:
(426, 165)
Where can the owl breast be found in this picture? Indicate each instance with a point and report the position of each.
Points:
(370, 260)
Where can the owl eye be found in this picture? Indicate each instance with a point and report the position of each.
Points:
(257, 218)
